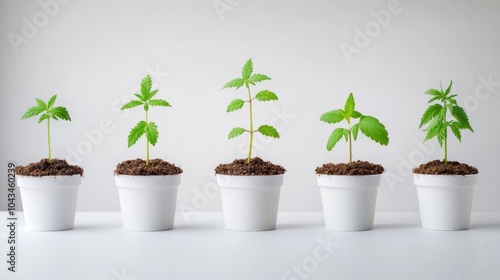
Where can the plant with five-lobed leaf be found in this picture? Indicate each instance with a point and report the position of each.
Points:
(48, 112)
(436, 117)
(145, 127)
(368, 125)
(248, 78)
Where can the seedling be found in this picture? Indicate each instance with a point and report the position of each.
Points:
(436, 117)
(247, 79)
(368, 125)
(150, 129)
(48, 112)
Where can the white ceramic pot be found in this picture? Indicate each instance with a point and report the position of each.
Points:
(148, 202)
(49, 202)
(445, 201)
(349, 201)
(250, 203)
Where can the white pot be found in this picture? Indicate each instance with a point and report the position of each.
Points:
(445, 201)
(349, 201)
(49, 202)
(250, 203)
(148, 202)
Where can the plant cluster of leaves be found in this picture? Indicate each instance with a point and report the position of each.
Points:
(145, 127)
(248, 78)
(48, 112)
(368, 125)
(436, 116)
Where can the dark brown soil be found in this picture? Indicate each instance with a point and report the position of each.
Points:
(354, 168)
(138, 167)
(256, 167)
(438, 167)
(56, 167)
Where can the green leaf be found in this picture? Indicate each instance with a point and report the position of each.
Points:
(41, 104)
(33, 111)
(235, 105)
(434, 92)
(448, 89)
(146, 107)
(354, 130)
(356, 114)
(461, 116)
(136, 133)
(375, 130)
(43, 117)
(334, 138)
(455, 128)
(434, 99)
(268, 130)
(255, 78)
(247, 70)
(236, 83)
(153, 93)
(237, 131)
(334, 116)
(151, 131)
(132, 104)
(51, 102)
(146, 85)
(142, 98)
(346, 135)
(266, 95)
(430, 114)
(159, 102)
(349, 106)
(434, 128)
(61, 113)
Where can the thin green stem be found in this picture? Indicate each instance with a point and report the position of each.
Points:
(251, 125)
(445, 136)
(147, 142)
(48, 137)
(350, 142)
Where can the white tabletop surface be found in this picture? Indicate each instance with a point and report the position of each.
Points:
(300, 248)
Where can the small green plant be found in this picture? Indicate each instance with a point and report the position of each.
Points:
(368, 125)
(150, 129)
(436, 117)
(48, 112)
(247, 79)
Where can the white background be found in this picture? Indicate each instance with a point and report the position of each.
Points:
(93, 54)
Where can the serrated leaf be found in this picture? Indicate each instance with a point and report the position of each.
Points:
(237, 131)
(247, 69)
(434, 128)
(153, 93)
(269, 131)
(334, 138)
(60, 112)
(355, 130)
(448, 89)
(434, 92)
(146, 85)
(141, 98)
(236, 104)
(51, 102)
(334, 116)
(151, 131)
(461, 116)
(136, 133)
(266, 95)
(349, 106)
(132, 104)
(41, 104)
(255, 78)
(159, 102)
(236, 83)
(346, 135)
(455, 128)
(146, 107)
(356, 115)
(434, 99)
(33, 111)
(375, 130)
(430, 114)
(43, 117)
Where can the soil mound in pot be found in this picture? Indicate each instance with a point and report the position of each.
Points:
(56, 167)
(354, 168)
(256, 167)
(438, 167)
(138, 167)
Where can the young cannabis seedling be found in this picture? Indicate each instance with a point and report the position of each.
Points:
(48, 112)
(247, 79)
(150, 129)
(436, 117)
(368, 125)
